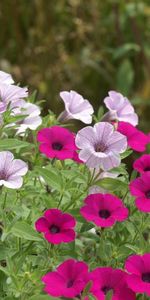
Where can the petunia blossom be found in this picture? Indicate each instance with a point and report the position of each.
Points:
(100, 146)
(57, 142)
(107, 279)
(76, 107)
(11, 170)
(137, 140)
(31, 112)
(142, 164)
(57, 227)
(104, 210)
(10, 94)
(6, 78)
(138, 267)
(140, 188)
(69, 279)
(120, 108)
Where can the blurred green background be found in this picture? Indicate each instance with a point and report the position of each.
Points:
(90, 46)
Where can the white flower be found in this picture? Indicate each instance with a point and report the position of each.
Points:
(76, 107)
(6, 78)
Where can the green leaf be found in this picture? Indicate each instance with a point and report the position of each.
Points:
(52, 178)
(112, 184)
(109, 295)
(126, 153)
(9, 144)
(42, 297)
(24, 230)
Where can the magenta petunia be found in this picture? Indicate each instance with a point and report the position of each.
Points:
(76, 107)
(140, 188)
(142, 164)
(100, 146)
(139, 268)
(106, 279)
(57, 227)
(137, 140)
(57, 142)
(104, 210)
(69, 279)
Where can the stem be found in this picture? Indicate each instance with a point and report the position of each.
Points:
(5, 197)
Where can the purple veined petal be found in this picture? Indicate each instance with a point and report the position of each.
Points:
(130, 118)
(76, 107)
(85, 137)
(10, 93)
(6, 78)
(117, 142)
(103, 130)
(113, 160)
(18, 168)
(13, 182)
(6, 158)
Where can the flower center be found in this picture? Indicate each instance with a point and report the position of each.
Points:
(3, 175)
(147, 194)
(106, 289)
(54, 229)
(70, 283)
(57, 146)
(146, 277)
(100, 147)
(147, 169)
(104, 214)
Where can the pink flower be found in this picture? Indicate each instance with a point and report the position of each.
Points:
(57, 142)
(6, 78)
(104, 210)
(140, 187)
(139, 268)
(137, 140)
(100, 146)
(56, 226)
(120, 108)
(76, 107)
(142, 164)
(69, 279)
(11, 170)
(107, 279)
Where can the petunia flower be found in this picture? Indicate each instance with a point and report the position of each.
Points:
(120, 108)
(76, 107)
(137, 140)
(104, 210)
(6, 78)
(69, 279)
(11, 170)
(100, 146)
(10, 94)
(142, 164)
(57, 142)
(138, 267)
(57, 227)
(140, 188)
(31, 112)
(106, 279)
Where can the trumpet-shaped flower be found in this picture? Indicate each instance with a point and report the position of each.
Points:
(138, 267)
(11, 170)
(76, 107)
(142, 164)
(56, 226)
(104, 210)
(69, 279)
(100, 146)
(120, 108)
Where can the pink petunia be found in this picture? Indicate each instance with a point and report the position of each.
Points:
(100, 146)
(138, 267)
(104, 210)
(106, 279)
(140, 188)
(137, 140)
(76, 107)
(57, 142)
(120, 108)
(11, 170)
(142, 164)
(69, 279)
(57, 227)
